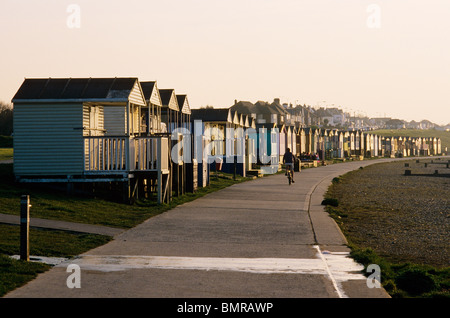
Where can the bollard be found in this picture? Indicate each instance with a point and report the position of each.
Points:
(25, 227)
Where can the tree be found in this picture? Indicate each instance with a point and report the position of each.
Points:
(6, 119)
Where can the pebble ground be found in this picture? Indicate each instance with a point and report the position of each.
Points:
(405, 218)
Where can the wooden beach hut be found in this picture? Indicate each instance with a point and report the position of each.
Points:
(85, 131)
(152, 114)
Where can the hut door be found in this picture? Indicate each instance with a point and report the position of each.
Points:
(96, 121)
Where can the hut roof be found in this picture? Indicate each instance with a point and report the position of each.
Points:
(169, 99)
(76, 89)
(151, 92)
(184, 104)
(211, 114)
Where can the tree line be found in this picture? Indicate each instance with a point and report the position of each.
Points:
(6, 119)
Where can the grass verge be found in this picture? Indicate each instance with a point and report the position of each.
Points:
(6, 153)
(15, 273)
(55, 204)
(406, 280)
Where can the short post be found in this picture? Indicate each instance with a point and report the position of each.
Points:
(234, 167)
(25, 227)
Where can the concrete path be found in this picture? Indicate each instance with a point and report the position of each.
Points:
(258, 239)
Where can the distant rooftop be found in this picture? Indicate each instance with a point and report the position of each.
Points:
(211, 114)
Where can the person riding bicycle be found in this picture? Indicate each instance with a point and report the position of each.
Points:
(288, 161)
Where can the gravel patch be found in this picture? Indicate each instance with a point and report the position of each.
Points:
(405, 218)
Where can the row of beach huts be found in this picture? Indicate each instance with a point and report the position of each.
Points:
(131, 136)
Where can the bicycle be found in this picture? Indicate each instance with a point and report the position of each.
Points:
(289, 173)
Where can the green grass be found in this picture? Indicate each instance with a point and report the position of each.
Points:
(47, 242)
(15, 273)
(6, 147)
(444, 135)
(6, 153)
(406, 280)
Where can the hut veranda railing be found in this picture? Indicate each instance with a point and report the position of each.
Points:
(122, 155)
(106, 154)
(112, 154)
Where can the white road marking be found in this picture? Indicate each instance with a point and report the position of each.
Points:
(334, 262)
(338, 267)
(252, 265)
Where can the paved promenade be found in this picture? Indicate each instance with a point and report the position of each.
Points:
(258, 239)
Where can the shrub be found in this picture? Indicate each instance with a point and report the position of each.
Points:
(416, 281)
(336, 180)
(330, 201)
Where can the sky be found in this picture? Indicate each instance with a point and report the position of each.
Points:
(374, 58)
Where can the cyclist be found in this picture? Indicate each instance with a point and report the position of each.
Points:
(288, 161)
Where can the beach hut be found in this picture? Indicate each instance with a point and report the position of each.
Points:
(298, 141)
(170, 113)
(184, 120)
(340, 138)
(376, 144)
(352, 143)
(225, 137)
(170, 110)
(346, 144)
(216, 123)
(362, 144)
(294, 141)
(152, 113)
(289, 139)
(85, 131)
(184, 128)
(382, 140)
(357, 143)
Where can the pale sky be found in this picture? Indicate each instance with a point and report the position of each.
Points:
(391, 59)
